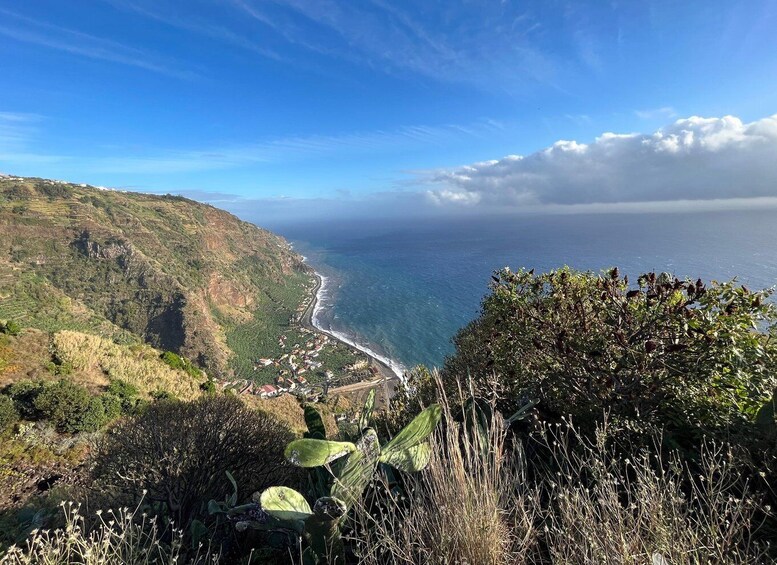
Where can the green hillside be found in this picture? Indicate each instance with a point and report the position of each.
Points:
(163, 270)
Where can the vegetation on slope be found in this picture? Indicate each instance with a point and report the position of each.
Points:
(174, 273)
(584, 420)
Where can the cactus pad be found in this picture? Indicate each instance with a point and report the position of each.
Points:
(416, 432)
(285, 504)
(409, 460)
(359, 468)
(308, 452)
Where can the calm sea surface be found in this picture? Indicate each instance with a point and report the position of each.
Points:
(404, 288)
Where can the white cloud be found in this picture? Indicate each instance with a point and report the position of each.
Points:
(692, 159)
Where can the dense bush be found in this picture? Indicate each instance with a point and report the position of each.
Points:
(24, 394)
(665, 353)
(112, 406)
(175, 361)
(122, 389)
(8, 413)
(180, 452)
(10, 327)
(208, 386)
(70, 407)
(53, 190)
(126, 393)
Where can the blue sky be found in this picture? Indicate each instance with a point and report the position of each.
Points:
(279, 105)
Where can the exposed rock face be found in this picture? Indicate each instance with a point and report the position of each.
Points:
(167, 269)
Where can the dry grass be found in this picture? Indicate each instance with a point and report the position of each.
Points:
(606, 509)
(94, 357)
(471, 505)
(574, 502)
(118, 538)
(286, 408)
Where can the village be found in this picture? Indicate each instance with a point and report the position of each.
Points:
(301, 369)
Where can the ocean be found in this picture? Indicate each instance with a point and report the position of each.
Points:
(403, 288)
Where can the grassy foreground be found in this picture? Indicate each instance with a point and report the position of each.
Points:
(583, 419)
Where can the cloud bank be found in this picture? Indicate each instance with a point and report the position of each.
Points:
(692, 159)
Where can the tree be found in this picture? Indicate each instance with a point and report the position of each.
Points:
(180, 453)
(666, 353)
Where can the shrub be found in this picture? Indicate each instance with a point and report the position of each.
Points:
(53, 190)
(24, 394)
(175, 361)
(8, 414)
(180, 452)
(10, 327)
(666, 353)
(126, 393)
(172, 360)
(208, 386)
(163, 395)
(70, 407)
(113, 406)
(122, 389)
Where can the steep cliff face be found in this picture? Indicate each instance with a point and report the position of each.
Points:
(170, 271)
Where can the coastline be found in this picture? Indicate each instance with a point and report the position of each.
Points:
(388, 369)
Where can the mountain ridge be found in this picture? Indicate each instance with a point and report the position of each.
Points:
(168, 271)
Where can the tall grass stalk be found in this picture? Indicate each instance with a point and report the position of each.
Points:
(118, 537)
(471, 505)
(574, 500)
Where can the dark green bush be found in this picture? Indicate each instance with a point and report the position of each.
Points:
(70, 407)
(8, 414)
(175, 361)
(10, 327)
(128, 395)
(208, 386)
(163, 395)
(180, 452)
(53, 190)
(172, 360)
(24, 394)
(666, 353)
(123, 389)
(113, 406)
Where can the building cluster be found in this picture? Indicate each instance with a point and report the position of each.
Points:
(292, 366)
(300, 359)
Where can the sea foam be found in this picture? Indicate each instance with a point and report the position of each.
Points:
(323, 293)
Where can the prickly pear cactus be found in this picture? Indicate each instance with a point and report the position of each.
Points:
(369, 406)
(356, 464)
(359, 469)
(308, 452)
(285, 504)
(315, 423)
